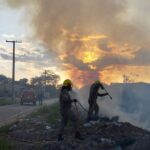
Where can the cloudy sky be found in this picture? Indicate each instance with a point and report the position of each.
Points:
(83, 40)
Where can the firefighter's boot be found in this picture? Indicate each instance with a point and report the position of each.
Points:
(78, 136)
(60, 137)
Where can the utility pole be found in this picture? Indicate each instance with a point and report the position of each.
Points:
(45, 73)
(13, 68)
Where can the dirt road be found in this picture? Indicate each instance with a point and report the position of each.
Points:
(10, 113)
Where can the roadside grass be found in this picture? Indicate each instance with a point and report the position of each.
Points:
(4, 144)
(6, 101)
(51, 113)
(54, 114)
(5, 129)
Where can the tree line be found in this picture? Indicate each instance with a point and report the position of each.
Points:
(47, 81)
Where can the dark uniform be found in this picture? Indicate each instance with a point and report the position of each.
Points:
(40, 95)
(93, 106)
(65, 110)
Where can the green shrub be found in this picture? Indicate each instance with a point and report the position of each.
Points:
(50, 111)
(4, 129)
(54, 114)
(4, 144)
(6, 102)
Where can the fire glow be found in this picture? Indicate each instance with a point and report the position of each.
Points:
(92, 39)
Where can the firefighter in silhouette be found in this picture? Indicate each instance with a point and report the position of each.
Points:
(40, 94)
(65, 110)
(93, 106)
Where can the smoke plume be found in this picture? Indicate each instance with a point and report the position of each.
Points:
(85, 34)
(95, 39)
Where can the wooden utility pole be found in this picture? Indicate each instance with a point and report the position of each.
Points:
(45, 73)
(13, 68)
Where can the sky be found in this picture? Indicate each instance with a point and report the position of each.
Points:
(31, 57)
(83, 40)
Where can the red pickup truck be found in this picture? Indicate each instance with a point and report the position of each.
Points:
(28, 96)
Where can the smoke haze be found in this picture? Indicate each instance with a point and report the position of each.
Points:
(130, 102)
(91, 38)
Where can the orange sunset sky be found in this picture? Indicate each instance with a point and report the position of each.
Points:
(79, 39)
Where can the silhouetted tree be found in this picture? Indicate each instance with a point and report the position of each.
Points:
(48, 80)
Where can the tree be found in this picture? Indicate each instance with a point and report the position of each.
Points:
(36, 81)
(5, 85)
(2, 78)
(50, 78)
(130, 78)
(23, 81)
(48, 81)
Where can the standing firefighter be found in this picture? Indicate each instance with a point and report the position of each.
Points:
(93, 106)
(65, 110)
(40, 94)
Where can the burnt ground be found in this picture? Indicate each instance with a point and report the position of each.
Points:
(30, 134)
(35, 133)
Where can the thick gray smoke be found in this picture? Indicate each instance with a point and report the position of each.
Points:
(116, 31)
(51, 18)
(130, 102)
(63, 26)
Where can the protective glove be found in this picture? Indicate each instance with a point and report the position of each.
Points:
(102, 87)
(75, 100)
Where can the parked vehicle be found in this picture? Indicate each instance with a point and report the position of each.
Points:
(28, 96)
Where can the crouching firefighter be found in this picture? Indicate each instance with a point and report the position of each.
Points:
(65, 110)
(93, 106)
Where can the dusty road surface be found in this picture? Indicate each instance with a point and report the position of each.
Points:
(10, 113)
